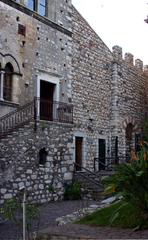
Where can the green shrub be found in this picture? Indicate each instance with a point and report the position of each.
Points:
(73, 191)
(131, 182)
(12, 210)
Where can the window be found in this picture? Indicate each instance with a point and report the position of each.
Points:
(42, 156)
(129, 131)
(7, 88)
(38, 6)
(42, 7)
(31, 4)
(21, 29)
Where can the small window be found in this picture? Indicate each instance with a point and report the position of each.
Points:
(42, 7)
(129, 131)
(31, 5)
(21, 29)
(42, 156)
(38, 6)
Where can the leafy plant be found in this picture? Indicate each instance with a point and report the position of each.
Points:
(73, 191)
(51, 189)
(131, 182)
(12, 211)
(111, 216)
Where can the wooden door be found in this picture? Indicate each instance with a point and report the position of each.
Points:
(102, 154)
(46, 100)
(78, 153)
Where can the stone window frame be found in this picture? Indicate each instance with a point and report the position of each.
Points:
(16, 74)
(6, 78)
(50, 78)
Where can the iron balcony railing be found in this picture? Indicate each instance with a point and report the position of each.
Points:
(54, 111)
(37, 109)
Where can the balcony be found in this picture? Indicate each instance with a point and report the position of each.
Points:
(38, 109)
(53, 111)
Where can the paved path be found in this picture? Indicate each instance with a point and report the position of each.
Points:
(50, 212)
(48, 215)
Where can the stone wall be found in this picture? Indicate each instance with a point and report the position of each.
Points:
(129, 86)
(45, 47)
(109, 92)
(91, 87)
(19, 155)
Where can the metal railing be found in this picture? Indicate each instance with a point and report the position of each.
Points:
(37, 109)
(16, 118)
(89, 175)
(109, 163)
(54, 111)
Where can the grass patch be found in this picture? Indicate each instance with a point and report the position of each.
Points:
(127, 217)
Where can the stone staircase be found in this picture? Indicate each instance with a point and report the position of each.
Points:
(92, 187)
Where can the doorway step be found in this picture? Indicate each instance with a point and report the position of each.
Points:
(91, 183)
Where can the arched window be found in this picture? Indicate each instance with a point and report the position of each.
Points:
(129, 131)
(42, 156)
(7, 90)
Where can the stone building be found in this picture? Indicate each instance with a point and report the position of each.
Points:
(65, 98)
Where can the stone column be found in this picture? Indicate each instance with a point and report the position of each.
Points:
(114, 108)
(15, 88)
(1, 85)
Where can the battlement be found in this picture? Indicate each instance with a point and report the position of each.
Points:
(129, 59)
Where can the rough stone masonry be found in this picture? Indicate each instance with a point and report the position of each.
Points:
(58, 58)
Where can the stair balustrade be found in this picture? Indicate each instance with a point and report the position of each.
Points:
(37, 109)
(16, 118)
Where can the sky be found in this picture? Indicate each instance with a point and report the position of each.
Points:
(119, 22)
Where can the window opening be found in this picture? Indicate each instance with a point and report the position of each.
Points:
(38, 6)
(7, 90)
(42, 156)
(42, 7)
(31, 5)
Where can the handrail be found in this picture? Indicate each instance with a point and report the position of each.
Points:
(14, 111)
(87, 170)
(37, 109)
(90, 172)
(107, 166)
(109, 162)
(16, 118)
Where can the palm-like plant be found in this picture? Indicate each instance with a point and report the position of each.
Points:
(131, 182)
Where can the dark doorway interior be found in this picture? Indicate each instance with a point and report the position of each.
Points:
(102, 154)
(78, 153)
(116, 151)
(129, 132)
(46, 100)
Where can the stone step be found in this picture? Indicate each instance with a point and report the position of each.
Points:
(91, 185)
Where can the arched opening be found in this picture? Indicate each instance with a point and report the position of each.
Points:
(8, 80)
(42, 156)
(129, 132)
